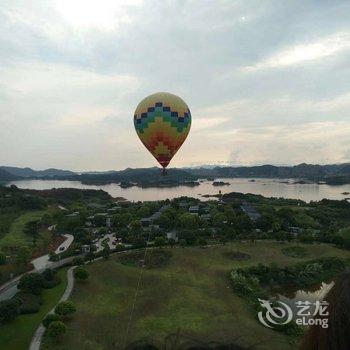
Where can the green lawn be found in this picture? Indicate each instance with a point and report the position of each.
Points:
(187, 302)
(15, 237)
(18, 334)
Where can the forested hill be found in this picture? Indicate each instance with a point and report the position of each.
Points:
(30, 173)
(329, 173)
(144, 177)
(6, 176)
(332, 174)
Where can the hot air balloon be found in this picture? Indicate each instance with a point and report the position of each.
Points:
(162, 122)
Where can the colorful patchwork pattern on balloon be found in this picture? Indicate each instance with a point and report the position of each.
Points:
(162, 122)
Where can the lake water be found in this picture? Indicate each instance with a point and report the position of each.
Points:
(265, 187)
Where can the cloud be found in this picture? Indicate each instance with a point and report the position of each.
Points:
(254, 77)
(304, 53)
(312, 142)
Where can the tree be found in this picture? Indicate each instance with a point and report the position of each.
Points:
(143, 212)
(9, 310)
(65, 308)
(23, 255)
(81, 274)
(50, 318)
(31, 283)
(53, 256)
(139, 242)
(135, 226)
(171, 242)
(189, 236)
(188, 221)
(102, 231)
(31, 228)
(159, 241)
(56, 330)
(78, 260)
(89, 256)
(46, 219)
(2, 258)
(106, 252)
(218, 219)
(48, 274)
(202, 242)
(182, 243)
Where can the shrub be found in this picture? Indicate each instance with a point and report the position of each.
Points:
(31, 283)
(246, 286)
(51, 318)
(81, 274)
(48, 274)
(30, 303)
(9, 310)
(51, 280)
(56, 330)
(51, 284)
(65, 308)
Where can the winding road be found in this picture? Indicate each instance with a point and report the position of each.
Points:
(9, 289)
(38, 335)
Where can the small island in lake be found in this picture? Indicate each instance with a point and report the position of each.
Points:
(220, 183)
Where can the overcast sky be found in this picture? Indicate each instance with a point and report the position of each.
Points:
(266, 81)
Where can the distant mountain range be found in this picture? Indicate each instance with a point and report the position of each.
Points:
(6, 176)
(28, 172)
(146, 177)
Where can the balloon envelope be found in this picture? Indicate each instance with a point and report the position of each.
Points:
(162, 122)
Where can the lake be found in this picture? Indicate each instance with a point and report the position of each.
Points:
(265, 187)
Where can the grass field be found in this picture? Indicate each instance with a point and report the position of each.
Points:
(15, 237)
(189, 301)
(18, 334)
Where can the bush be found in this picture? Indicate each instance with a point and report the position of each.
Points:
(81, 274)
(51, 318)
(48, 274)
(56, 330)
(65, 308)
(51, 280)
(246, 286)
(53, 283)
(31, 283)
(30, 303)
(9, 310)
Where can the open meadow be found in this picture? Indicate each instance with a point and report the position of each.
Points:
(187, 301)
